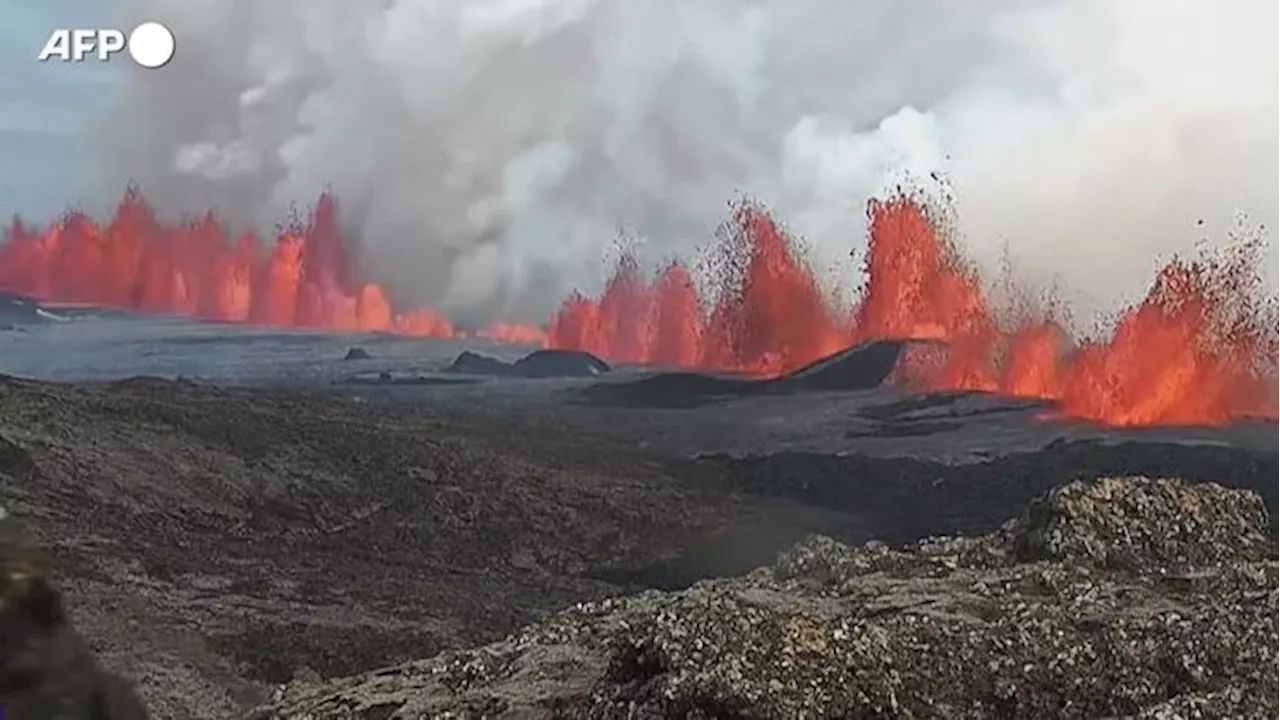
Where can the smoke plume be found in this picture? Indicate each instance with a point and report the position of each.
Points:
(485, 153)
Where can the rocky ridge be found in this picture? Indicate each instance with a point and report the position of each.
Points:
(1119, 597)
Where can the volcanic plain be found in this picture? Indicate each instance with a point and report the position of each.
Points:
(217, 538)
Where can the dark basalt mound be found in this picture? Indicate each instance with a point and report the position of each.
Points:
(470, 363)
(861, 367)
(559, 363)
(18, 310)
(1112, 598)
(356, 353)
(537, 364)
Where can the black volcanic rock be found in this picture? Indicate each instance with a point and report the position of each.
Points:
(559, 363)
(17, 310)
(1122, 597)
(537, 364)
(471, 363)
(861, 367)
(356, 353)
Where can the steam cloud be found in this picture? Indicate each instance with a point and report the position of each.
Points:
(486, 152)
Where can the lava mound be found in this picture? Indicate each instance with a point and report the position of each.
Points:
(1092, 603)
(470, 363)
(861, 367)
(537, 364)
(17, 310)
(559, 363)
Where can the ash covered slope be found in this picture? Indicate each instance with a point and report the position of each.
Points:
(215, 542)
(1116, 597)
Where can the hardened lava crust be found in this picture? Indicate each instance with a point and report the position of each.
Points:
(215, 544)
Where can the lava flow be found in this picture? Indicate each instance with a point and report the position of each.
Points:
(1199, 348)
(305, 279)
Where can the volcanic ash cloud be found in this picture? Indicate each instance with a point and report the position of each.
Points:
(486, 152)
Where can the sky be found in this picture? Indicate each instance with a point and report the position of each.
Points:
(45, 161)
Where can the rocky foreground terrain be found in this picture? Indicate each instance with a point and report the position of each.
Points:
(213, 543)
(226, 549)
(1114, 598)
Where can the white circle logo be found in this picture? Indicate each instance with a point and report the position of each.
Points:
(151, 45)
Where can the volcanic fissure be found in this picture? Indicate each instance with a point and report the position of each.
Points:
(1200, 347)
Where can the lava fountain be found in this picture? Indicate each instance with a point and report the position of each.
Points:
(1201, 347)
(305, 279)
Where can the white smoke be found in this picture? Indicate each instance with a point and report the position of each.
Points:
(485, 152)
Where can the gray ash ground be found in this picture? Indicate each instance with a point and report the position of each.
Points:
(281, 514)
(1113, 598)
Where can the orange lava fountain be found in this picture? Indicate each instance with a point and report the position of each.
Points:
(1199, 348)
(305, 279)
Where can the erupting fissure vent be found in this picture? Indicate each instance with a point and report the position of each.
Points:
(305, 279)
(1199, 348)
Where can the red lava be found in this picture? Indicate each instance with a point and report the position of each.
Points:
(1200, 348)
(304, 279)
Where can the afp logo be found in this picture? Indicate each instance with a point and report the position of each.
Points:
(150, 45)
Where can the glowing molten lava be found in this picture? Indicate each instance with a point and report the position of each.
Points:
(1199, 348)
(305, 279)
(769, 315)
